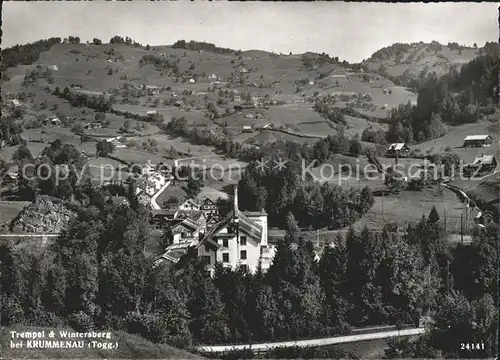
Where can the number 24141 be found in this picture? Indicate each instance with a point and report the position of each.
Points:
(472, 346)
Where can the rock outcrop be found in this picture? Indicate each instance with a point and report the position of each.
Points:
(43, 216)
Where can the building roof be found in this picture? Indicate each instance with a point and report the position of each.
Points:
(484, 160)
(163, 212)
(397, 146)
(194, 215)
(476, 137)
(188, 223)
(255, 213)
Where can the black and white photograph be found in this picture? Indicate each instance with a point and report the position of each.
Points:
(249, 180)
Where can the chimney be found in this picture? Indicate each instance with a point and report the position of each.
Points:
(235, 199)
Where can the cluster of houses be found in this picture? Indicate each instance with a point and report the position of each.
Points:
(481, 163)
(236, 239)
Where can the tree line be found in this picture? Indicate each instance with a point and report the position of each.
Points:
(99, 103)
(200, 45)
(26, 54)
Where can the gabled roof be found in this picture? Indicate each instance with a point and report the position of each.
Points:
(246, 225)
(397, 146)
(188, 223)
(484, 160)
(476, 137)
(209, 235)
(208, 201)
(194, 215)
(190, 201)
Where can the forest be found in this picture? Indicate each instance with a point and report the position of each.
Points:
(97, 276)
(456, 98)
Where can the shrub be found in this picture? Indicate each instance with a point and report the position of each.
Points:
(81, 321)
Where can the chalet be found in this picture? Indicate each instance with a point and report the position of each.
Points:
(15, 102)
(144, 198)
(189, 205)
(398, 149)
(152, 90)
(185, 230)
(247, 129)
(478, 141)
(160, 218)
(53, 120)
(10, 179)
(209, 207)
(484, 163)
(93, 125)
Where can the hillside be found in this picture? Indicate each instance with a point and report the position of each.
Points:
(222, 90)
(412, 59)
(129, 347)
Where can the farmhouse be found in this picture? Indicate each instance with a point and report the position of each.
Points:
(185, 230)
(484, 163)
(478, 141)
(399, 149)
(152, 90)
(53, 120)
(15, 102)
(10, 178)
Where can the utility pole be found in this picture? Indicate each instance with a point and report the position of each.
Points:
(462, 228)
(383, 219)
(445, 221)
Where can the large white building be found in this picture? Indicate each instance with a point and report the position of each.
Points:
(240, 239)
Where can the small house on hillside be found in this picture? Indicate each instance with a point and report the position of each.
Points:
(93, 125)
(189, 205)
(478, 141)
(247, 129)
(10, 179)
(398, 149)
(53, 120)
(484, 163)
(152, 90)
